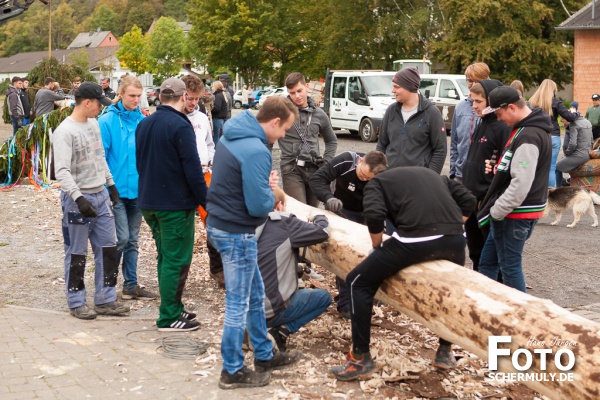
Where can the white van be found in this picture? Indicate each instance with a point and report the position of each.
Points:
(357, 100)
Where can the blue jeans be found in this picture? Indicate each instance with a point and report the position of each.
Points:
(128, 219)
(15, 125)
(244, 298)
(553, 179)
(305, 305)
(217, 126)
(503, 251)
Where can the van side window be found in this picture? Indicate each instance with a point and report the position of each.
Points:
(448, 90)
(339, 87)
(354, 84)
(428, 87)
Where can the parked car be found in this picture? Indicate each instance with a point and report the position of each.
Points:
(237, 100)
(152, 95)
(280, 91)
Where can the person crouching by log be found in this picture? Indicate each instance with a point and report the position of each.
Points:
(350, 171)
(428, 212)
(287, 309)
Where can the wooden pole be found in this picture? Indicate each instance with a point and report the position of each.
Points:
(467, 308)
(49, 29)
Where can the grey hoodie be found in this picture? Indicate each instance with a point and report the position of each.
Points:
(15, 107)
(418, 142)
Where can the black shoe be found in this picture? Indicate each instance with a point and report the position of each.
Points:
(83, 312)
(444, 358)
(180, 325)
(279, 360)
(244, 378)
(280, 334)
(187, 315)
(344, 312)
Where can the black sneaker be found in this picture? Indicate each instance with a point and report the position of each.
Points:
(244, 378)
(83, 312)
(112, 308)
(138, 293)
(180, 325)
(280, 334)
(187, 315)
(354, 368)
(279, 360)
(344, 312)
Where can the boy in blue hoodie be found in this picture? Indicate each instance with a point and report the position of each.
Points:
(118, 127)
(239, 200)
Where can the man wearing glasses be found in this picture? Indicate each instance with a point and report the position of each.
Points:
(517, 195)
(351, 171)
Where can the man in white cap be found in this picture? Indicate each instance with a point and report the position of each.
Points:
(171, 187)
(412, 131)
(593, 115)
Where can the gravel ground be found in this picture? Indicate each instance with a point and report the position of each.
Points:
(558, 265)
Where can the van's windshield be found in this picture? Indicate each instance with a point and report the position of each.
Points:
(462, 83)
(378, 85)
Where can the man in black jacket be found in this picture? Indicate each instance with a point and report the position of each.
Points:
(350, 171)
(25, 101)
(517, 195)
(487, 141)
(428, 212)
(412, 131)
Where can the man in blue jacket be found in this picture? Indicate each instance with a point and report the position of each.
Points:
(171, 187)
(118, 137)
(240, 198)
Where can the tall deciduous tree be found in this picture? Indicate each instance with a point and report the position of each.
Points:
(166, 46)
(105, 19)
(141, 13)
(515, 38)
(133, 51)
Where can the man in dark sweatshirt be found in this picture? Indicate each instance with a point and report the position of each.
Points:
(516, 198)
(428, 212)
(487, 140)
(412, 131)
(171, 187)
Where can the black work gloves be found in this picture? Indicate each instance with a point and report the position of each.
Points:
(85, 207)
(114, 195)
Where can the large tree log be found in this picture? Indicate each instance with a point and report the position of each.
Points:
(466, 308)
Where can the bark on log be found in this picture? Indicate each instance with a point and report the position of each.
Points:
(466, 308)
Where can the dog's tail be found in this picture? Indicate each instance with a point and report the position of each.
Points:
(594, 196)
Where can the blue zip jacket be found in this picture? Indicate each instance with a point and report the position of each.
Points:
(171, 176)
(460, 135)
(239, 197)
(118, 126)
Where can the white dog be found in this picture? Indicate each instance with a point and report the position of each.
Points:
(580, 199)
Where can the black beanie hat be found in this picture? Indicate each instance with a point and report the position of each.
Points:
(408, 78)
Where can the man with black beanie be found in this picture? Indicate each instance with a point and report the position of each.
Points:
(412, 131)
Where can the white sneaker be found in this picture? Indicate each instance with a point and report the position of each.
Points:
(301, 284)
(315, 275)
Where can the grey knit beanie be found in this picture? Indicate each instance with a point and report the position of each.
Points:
(408, 78)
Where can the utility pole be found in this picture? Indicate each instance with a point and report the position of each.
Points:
(49, 29)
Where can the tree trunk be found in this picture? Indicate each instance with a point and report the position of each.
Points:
(466, 308)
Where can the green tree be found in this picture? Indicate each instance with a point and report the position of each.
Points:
(63, 73)
(133, 50)
(175, 9)
(63, 29)
(166, 48)
(79, 58)
(141, 15)
(516, 39)
(103, 18)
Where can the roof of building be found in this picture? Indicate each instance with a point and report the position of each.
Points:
(24, 62)
(582, 19)
(89, 39)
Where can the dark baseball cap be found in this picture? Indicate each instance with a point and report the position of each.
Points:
(501, 97)
(91, 90)
(596, 96)
(224, 77)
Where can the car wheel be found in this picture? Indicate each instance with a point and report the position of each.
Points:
(257, 106)
(367, 133)
(157, 102)
(237, 105)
